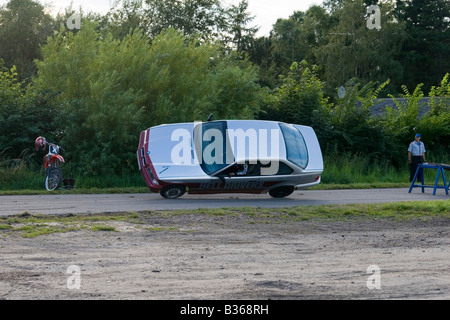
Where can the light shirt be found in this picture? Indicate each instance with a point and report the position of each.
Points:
(244, 170)
(416, 148)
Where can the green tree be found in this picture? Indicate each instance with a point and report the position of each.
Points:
(355, 129)
(242, 35)
(333, 6)
(287, 41)
(297, 37)
(293, 39)
(112, 89)
(11, 100)
(260, 53)
(435, 125)
(204, 18)
(300, 100)
(99, 116)
(404, 121)
(24, 27)
(426, 51)
(189, 81)
(24, 115)
(440, 97)
(355, 51)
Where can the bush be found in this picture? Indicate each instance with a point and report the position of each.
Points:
(111, 90)
(24, 115)
(402, 123)
(300, 99)
(354, 128)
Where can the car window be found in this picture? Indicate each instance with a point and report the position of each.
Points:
(254, 169)
(251, 169)
(296, 149)
(210, 146)
(283, 168)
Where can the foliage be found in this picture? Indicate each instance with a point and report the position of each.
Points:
(203, 18)
(354, 127)
(354, 51)
(351, 168)
(426, 49)
(238, 19)
(300, 100)
(24, 26)
(298, 37)
(440, 97)
(404, 121)
(98, 114)
(189, 81)
(24, 115)
(112, 89)
(436, 122)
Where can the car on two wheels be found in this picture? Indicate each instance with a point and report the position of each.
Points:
(229, 156)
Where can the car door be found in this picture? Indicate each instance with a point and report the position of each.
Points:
(276, 174)
(227, 181)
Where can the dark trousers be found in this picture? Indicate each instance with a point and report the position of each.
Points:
(416, 160)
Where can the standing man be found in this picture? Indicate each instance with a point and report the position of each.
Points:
(416, 156)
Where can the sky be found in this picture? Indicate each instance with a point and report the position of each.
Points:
(266, 12)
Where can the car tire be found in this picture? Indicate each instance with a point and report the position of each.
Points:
(281, 192)
(173, 192)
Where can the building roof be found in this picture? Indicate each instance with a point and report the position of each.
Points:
(380, 106)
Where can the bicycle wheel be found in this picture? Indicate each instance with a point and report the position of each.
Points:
(53, 179)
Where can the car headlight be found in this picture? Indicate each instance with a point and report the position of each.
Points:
(152, 177)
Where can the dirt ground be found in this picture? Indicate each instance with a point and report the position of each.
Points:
(200, 257)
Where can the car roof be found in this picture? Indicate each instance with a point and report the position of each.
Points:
(168, 138)
(254, 149)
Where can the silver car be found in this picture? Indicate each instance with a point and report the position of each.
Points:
(230, 156)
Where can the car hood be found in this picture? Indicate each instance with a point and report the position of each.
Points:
(164, 142)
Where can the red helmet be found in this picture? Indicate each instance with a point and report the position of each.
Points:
(40, 142)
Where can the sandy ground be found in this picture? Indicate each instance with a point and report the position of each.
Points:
(199, 257)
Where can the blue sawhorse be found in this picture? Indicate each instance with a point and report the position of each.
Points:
(440, 170)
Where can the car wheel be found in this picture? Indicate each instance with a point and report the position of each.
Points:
(281, 192)
(173, 192)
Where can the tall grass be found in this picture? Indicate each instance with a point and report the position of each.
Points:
(341, 170)
(21, 174)
(15, 173)
(126, 180)
(15, 179)
(358, 169)
(351, 168)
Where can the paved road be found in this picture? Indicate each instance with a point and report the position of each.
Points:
(75, 203)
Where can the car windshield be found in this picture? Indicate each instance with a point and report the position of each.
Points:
(210, 146)
(296, 149)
